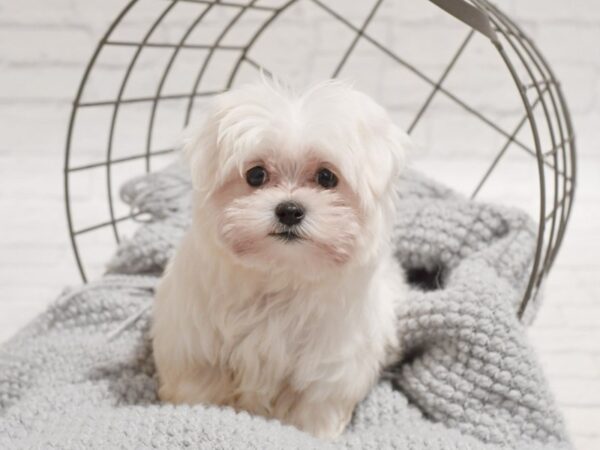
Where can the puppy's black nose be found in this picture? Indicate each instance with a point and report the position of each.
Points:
(289, 213)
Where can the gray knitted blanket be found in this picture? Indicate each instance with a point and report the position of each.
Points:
(77, 378)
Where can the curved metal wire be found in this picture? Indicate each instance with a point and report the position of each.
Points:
(543, 84)
(211, 52)
(538, 147)
(164, 76)
(115, 115)
(74, 110)
(554, 120)
(545, 107)
(565, 139)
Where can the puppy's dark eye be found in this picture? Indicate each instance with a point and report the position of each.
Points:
(326, 178)
(257, 176)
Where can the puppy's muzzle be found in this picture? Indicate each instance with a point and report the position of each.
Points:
(289, 213)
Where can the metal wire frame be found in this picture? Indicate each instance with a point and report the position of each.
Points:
(525, 64)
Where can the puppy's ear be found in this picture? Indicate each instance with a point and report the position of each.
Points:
(201, 152)
(387, 150)
(393, 149)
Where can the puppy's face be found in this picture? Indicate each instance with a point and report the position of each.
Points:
(297, 183)
(288, 211)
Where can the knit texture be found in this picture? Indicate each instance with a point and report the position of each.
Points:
(468, 379)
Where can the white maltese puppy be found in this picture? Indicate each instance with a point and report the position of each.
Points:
(281, 297)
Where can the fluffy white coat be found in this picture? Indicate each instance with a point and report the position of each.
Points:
(296, 330)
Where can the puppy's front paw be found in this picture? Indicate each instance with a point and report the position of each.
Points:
(200, 385)
(326, 420)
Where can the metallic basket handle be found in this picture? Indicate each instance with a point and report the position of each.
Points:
(470, 15)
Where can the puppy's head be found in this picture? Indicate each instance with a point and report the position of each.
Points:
(297, 182)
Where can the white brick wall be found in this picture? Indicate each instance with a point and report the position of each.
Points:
(45, 44)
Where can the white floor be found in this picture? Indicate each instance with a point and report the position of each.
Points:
(567, 331)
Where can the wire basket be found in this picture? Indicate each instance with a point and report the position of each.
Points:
(438, 67)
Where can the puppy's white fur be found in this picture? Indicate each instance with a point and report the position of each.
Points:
(295, 330)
